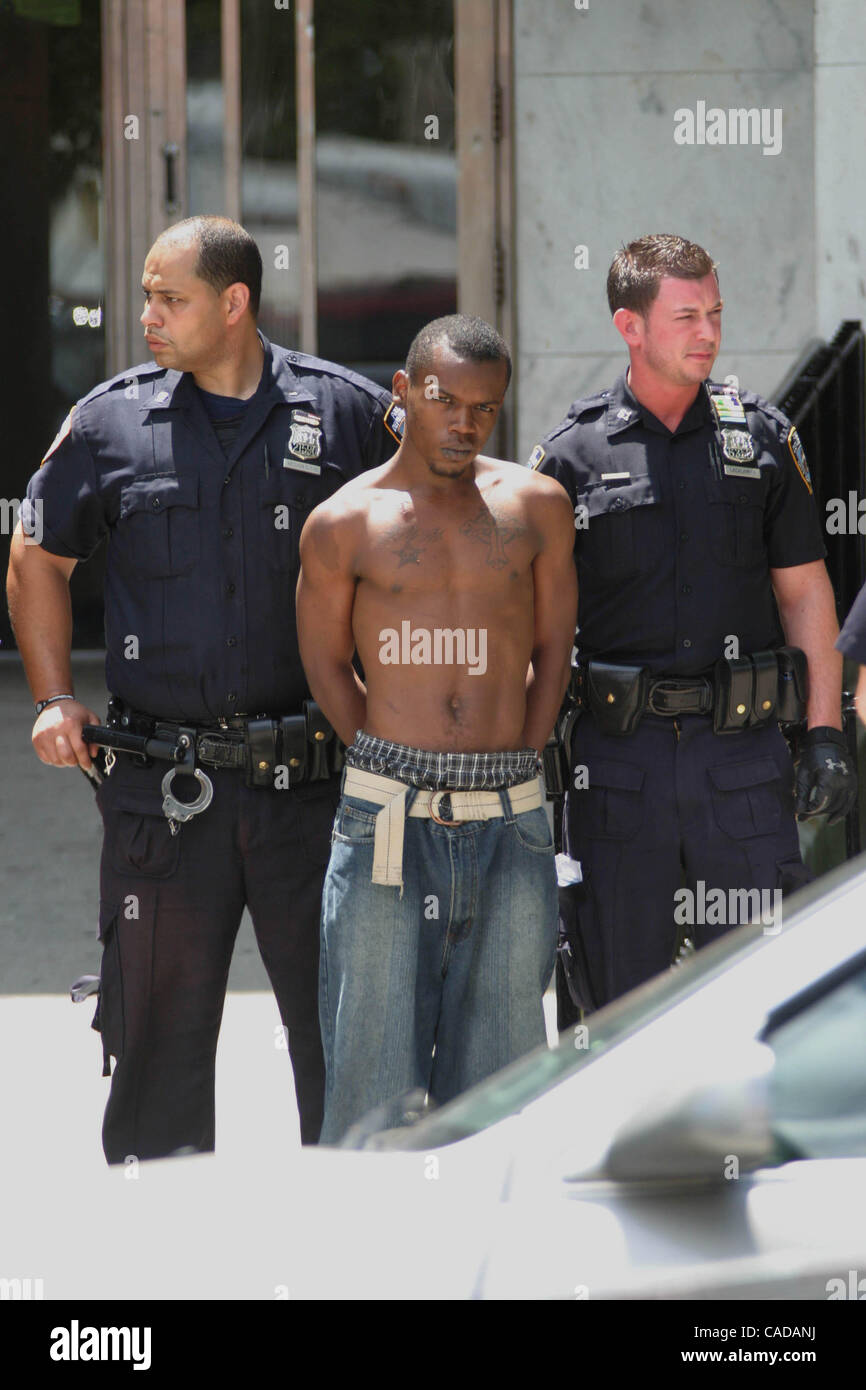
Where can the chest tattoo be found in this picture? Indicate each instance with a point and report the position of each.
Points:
(410, 545)
(495, 533)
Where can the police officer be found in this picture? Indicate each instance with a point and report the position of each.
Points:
(200, 468)
(699, 557)
(852, 642)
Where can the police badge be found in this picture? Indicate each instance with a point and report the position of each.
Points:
(305, 440)
(738, 446)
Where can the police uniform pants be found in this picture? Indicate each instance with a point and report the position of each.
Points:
(170, 907)
(659, 812)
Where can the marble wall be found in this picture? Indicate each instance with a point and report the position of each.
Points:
(600, 93)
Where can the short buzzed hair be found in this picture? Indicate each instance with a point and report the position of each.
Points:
(639, 268)
(227, 254)
(468, 337)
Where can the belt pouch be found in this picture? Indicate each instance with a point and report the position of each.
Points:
(616, 695)
(793, 684)
(293, 728)
(765, 692)
(327, 753)
(733, 696)
(261, 752)
(319, 736)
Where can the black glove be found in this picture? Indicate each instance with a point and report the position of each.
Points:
(826, 776)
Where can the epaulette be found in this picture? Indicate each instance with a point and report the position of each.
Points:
(756, 402)
(123, 379)
(322, 367)
(578, 409)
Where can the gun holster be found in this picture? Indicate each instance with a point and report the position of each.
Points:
(556, 754)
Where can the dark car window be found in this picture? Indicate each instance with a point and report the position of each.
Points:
(818, 1085)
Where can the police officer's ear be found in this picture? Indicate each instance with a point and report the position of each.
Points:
(236, 299)
(630, 326)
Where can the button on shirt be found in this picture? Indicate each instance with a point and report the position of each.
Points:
(673, 542)
(202, 557)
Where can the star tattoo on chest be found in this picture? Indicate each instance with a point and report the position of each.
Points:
(411, 545)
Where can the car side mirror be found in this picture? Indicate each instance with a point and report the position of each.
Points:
(711, 1126)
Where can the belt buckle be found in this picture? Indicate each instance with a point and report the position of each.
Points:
(664, 688)
(438, 819)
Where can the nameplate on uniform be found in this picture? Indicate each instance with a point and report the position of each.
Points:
(740, 470)
(300, 466)
(615, 477)
(305, 440)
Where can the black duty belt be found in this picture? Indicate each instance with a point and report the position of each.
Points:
(741, 693)
(281, 750)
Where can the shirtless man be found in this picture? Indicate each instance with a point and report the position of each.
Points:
(452, 575)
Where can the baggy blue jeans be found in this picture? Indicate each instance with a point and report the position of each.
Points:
(460, 960)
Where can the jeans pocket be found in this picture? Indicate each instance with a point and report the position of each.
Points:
(532, 829)
(352, 825)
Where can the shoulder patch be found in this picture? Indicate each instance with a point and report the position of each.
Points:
(536, 457)
(798, 454)
(59, 436)
(394, 420)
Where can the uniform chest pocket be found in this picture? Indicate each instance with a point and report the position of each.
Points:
(735, 519)
(620, 528)
(158, 530)
(286, 500)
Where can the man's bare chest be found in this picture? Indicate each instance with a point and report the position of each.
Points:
(481, 546)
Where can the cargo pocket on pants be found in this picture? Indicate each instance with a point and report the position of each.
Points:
(138, 838)
(108, 1019)
(747, 798)
(611, 806)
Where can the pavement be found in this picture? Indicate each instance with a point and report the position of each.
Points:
(49, 854)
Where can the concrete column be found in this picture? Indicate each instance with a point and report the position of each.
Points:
(840, 162)
(605, 94)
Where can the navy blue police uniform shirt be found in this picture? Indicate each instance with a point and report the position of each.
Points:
(202, 558)
(673, 542)
(852, 638)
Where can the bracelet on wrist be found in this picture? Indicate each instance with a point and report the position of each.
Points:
(42, 704)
